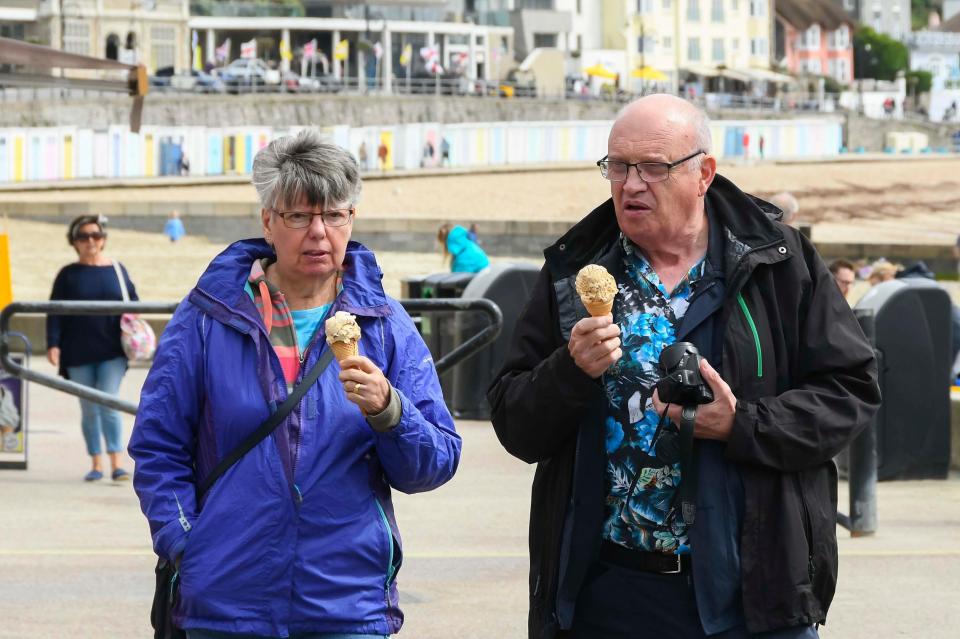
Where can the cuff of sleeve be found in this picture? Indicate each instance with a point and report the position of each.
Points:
(170, 541)
(390, 416)
(743, 433)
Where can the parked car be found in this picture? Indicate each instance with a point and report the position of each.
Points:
(208, 83)
(248, 73)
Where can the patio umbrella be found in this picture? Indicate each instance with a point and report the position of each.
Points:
(601, 72)
(648, 73)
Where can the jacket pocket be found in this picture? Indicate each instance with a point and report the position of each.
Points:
(807, 525)
(394, 553)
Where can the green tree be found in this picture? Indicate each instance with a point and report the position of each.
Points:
(878, 56)
(919, 81)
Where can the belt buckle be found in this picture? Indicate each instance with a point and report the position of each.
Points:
(674, 571)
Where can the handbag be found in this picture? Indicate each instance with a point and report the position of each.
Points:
(167, 574)
(136, 335)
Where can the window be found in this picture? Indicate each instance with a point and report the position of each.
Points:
(811, 38)
(848, 5)
(758, 8)
(693, 10)
(645, 45)
(840, 38)
(734, 6)
(547, 40)
(716, 13)
(579, 8)
(758, 47)
(666, 4)
(76, 37)
(693, 49)
(839, 68)
(811, 66)
(644, 6)
(163, 47)
(667, 42)
(735, 45)
(718, 52)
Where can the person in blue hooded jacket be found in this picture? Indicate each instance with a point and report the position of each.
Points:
(298, 538)
(465, 255)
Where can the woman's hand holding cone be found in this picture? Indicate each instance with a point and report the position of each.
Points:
(365, 384)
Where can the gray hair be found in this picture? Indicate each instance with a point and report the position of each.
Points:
(786, 202)
(305, 167)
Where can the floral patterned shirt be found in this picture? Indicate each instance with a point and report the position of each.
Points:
(648, 316)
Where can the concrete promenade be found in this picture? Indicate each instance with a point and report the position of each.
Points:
(75, 559)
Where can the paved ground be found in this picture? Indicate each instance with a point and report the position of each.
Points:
(75, 559)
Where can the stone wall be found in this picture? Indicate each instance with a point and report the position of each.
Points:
(871, 134)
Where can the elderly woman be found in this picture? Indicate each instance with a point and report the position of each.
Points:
(298, 538)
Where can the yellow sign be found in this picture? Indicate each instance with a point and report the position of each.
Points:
(406, 55)
(197, 59)
(285, 52)
(6, 281)
(342, 50)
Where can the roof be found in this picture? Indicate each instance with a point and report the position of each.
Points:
(803, 13)
(953, 24)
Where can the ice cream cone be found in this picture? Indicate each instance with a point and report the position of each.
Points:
(599, 309)
(343, 350)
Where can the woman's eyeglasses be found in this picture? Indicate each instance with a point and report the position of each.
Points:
(303, 219)
(84, 237)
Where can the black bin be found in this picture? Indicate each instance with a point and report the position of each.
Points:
(509, 286)
(911, 325)
(437, 327)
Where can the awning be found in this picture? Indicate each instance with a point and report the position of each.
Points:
(770, 76)
(741, 75)
(704, 71)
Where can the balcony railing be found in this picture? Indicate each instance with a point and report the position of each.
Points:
(239, 9)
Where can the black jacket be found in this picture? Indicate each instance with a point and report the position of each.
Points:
(793, 354)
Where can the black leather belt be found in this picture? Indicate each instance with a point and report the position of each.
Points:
(661, 562)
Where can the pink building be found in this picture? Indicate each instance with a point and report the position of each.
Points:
(815, 37)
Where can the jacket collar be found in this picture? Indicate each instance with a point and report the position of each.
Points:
(748, 221)
(220, 289)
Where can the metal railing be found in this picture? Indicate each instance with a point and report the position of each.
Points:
(470, 347)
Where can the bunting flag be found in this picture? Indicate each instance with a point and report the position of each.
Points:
(248, 50)
(310, 49)
(223, 51)
(197, 59)
(342, 50)
(377, 50)
(285, 52)
(406, 54)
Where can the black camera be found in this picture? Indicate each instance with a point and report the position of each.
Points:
(680, 381)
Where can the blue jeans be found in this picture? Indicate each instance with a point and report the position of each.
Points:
(213, 634)
(98, 420)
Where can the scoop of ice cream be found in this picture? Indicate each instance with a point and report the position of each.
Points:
(595, 285)
(342, 327)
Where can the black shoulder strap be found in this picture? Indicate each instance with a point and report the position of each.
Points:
(269, 425)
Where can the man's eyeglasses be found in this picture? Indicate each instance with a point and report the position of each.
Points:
(95, 236)
(303, 219)
(616, 170)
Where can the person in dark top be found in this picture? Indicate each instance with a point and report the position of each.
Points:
(86, 348)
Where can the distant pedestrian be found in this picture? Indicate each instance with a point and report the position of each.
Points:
(465, 255)
(472, 233)
(86, 348)
(788, 204)
(844, 274)
(746, 146)
(362, 156)
(760, 145)
(444, 152)
(427, 157)
(174, 227)
(184, 167)
(382, 152)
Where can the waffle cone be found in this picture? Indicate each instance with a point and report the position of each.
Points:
(343, 350)
(599, 309)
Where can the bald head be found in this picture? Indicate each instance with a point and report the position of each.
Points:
(669, 115)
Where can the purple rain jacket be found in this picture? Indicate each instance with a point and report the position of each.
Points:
(299, 535)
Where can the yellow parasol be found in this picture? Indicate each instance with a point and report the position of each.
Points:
(600, 71)
(648, 73)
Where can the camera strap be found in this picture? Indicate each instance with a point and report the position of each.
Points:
(688, 466)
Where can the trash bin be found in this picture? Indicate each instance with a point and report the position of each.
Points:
(911, 321)
(509, 286)
(437, 327)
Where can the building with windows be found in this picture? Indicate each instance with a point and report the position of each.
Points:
(151, 32)
(700, 44)
(815, 37)
(890, 17)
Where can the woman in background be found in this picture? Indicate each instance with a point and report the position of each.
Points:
(86, 348)
(465, 255)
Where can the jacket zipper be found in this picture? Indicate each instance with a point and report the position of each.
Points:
(390, 575)
(753, 329)
(807, 527)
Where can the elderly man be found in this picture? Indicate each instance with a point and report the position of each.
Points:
(696, 260)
